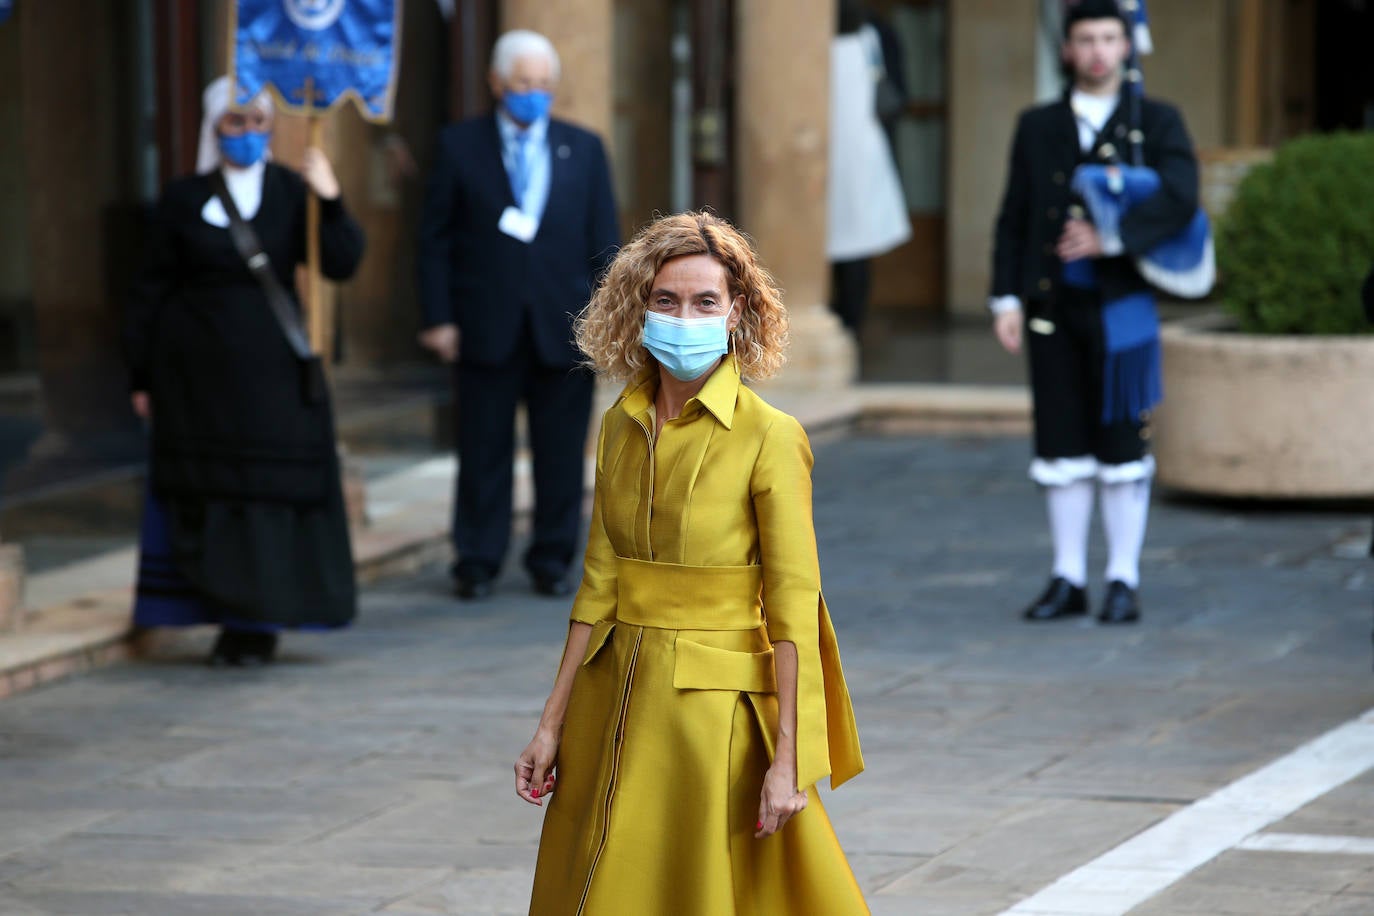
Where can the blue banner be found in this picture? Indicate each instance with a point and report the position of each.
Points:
(6, 8)
(346, 47)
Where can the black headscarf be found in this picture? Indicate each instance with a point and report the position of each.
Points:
(851, 17)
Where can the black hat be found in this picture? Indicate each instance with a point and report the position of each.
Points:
(1094, 9)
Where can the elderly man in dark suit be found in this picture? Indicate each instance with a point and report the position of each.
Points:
(519, 221)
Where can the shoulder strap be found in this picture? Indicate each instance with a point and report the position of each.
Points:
(260, 266)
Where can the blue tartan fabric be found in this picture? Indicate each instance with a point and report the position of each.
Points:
(1133, 374)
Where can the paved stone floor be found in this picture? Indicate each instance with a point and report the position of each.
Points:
(369, 772)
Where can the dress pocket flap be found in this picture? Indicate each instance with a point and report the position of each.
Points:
(698, 667)
(601, 634)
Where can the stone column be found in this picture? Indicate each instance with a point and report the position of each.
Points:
(782, 117)
(583, 32)
(991, 78)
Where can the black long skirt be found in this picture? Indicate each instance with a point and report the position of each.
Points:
(245, 565)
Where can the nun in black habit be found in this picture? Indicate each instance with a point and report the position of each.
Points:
(244, 524)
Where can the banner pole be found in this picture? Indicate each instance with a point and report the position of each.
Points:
(313, 300)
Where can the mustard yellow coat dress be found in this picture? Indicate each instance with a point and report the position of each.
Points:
(702, 554)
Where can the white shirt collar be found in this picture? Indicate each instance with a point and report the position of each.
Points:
(538, 131)
(1095, 109)
(245, 186)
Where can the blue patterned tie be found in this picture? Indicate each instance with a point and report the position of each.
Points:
(520, 172)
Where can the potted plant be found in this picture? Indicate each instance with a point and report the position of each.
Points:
(1273, 397)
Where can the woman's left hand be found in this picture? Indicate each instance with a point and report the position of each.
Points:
(319, 174)
(534, 768)
(779, 800)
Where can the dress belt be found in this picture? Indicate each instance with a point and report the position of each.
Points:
(672, 596)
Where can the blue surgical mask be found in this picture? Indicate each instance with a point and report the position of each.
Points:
(244, 149)
(686, 347)
(527, 107)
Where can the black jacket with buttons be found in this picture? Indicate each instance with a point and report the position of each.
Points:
(1044, 153)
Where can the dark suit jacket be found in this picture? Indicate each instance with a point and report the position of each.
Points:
(489, 284)
(1037, 197)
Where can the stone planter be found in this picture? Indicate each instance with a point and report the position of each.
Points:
(1277, 417)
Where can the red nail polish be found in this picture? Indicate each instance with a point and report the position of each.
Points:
(534, 792)
(759, 825)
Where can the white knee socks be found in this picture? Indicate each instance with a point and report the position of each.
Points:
(1125, 510)
(1071, 510)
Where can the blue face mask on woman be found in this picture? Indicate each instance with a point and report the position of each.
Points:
(686, 347)
(244, 149)
(527, 107)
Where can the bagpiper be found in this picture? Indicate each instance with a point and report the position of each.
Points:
(1100, 208)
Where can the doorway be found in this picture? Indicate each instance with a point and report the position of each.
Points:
(909, 282)
(673, 115)
(1343, 97)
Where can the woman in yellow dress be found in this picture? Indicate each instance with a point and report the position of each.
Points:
(700, 697)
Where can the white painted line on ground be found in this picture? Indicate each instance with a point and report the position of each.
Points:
(1310, 842)
(1123, 878)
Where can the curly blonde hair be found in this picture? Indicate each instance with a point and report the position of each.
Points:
(610, 329)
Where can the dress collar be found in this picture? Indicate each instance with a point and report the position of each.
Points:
(718, 396)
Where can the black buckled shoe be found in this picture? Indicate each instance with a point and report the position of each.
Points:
(552, 586)
(258, 649)
(472, 586)
(227, 650)
(1122, 604)
(1061, 598)
(243, 649)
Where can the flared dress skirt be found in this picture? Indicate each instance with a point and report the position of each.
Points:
(658, 790)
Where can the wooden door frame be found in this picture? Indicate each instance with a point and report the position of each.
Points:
(713, 98)
(473, 29)
(176, 37)
(925, 253)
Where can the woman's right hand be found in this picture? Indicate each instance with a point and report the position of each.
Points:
(142, 404)
(534, 768)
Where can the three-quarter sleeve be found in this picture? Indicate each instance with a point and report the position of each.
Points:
(596, 597)
(795, 612)
(781, 491)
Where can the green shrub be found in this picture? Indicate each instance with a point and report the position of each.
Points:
(1298, 239)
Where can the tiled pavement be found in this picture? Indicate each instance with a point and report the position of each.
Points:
(369, 772)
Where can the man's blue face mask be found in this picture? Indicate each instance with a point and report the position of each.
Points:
(244, 149)
(527, 107)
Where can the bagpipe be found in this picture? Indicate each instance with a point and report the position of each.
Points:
(1183, 265)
